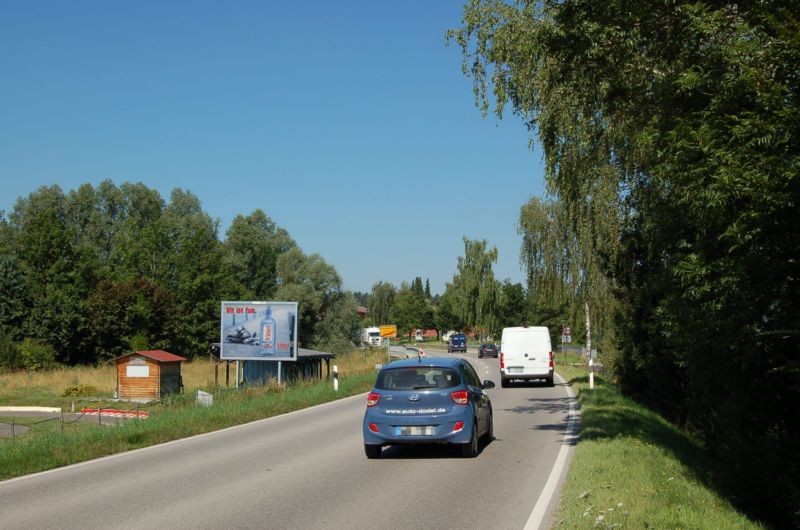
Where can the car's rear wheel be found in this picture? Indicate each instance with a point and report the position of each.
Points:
(470, 449)
(504, 383)
(490, 428)
(372, 451)
(549, 381)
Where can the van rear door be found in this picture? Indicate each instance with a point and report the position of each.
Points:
(526, 353)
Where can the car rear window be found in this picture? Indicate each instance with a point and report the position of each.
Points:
(417, 378)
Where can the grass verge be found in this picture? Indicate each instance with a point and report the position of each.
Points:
(177, 418)
(633, 469)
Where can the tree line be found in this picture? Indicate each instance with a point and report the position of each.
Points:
(97, 272)
(474, 301)
(94, 273)
(671, 140)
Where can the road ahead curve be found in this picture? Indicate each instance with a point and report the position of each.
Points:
(308, 470)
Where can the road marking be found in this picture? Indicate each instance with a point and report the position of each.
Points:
(536, 519)
(116, 413)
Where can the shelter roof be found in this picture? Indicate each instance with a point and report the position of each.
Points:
(158, 355)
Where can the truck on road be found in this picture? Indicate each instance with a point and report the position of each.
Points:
(371, 336)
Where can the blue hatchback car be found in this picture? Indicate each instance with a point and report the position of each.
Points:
(428, 400)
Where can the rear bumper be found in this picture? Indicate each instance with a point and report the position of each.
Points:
(443, 428)
(530, 375)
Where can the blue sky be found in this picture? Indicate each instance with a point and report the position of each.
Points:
(349, 123)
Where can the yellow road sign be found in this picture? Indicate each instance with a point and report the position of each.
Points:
(388, 332)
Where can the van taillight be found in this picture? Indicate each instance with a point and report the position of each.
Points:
(502, 361)
(373, 399)
(551, 359)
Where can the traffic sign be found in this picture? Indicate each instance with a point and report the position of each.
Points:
(566, 330)
(388, 332)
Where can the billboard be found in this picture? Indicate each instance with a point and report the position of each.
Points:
(258, 331)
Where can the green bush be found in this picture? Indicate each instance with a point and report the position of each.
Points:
(80, 391)
(10, 358)
(37, 355)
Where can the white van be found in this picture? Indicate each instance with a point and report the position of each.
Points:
(526, 354)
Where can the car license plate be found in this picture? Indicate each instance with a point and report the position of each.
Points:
(414, 430)
(515, 370)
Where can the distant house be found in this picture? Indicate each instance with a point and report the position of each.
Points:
(362, 312)
(150, 374)
(423, 334)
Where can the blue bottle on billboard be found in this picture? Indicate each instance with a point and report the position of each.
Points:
(268, 332)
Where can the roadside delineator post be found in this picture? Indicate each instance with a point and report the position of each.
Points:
(335, 378)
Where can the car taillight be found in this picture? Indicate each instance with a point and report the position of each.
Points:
(373, 427)
(502, 361)
(551, 359)
(373, 399)
(461, 397)
(458, 426)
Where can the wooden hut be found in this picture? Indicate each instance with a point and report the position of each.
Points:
(151, 374)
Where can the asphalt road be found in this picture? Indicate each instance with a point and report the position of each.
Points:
(308, 470)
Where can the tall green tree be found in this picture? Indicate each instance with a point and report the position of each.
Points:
(141, 244)
(10, 358)
(317, 287)
(381, 301)
(475, 293)
(13, 296)
(252, 246)
(52, 268)
(447, 314)
(193, 272)
(564, 272)
(670, 137)
(122, 312)
(411, 310)
(513, 305)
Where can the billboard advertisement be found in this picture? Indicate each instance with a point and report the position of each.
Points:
(258, 331)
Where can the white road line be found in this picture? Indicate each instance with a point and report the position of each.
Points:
(536, 519)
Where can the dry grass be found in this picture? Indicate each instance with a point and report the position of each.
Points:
(46, 388)
(103, 378)
(359, 362)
